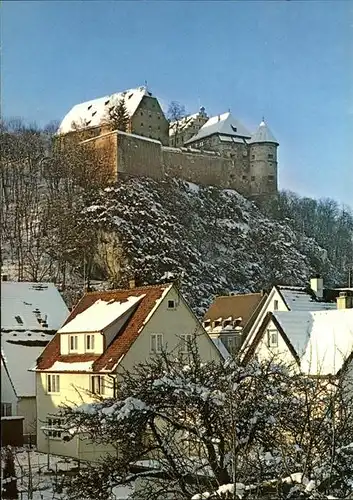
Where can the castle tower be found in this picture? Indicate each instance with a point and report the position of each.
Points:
(263, 161)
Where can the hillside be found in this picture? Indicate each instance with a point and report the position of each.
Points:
(59, 225)
(218, 241)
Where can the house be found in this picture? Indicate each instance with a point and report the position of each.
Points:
(317, 343)
(293, 298)
(146, 117)
(31, 313)
(230, 316)
(106, 334)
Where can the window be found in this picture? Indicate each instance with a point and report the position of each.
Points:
(185, 343)
(54, 427)
(97, 384)
(272, 338)
(6, 409)
(230, 343)
(270, 177)
(73, 343)
(171, 304)
(269, 156)
(253, 157)
(53, 384)
(89, 342)
(141, 124)
(275, 305)
(244, 177)
(19, 320)
(253, 177)
(156, 342)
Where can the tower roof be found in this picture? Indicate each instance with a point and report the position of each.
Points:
(223, 124)
(263, 134)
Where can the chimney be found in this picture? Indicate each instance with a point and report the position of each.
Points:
(345, 300)
(317, 285)
(4, 277)
(132, 284)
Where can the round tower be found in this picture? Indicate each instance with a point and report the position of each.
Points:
(263, 161)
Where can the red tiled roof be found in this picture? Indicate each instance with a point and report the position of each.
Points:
(123, 341)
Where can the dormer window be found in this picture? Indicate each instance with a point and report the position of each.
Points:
(73, 343)
(171, 304)
(89, 343)
(227, 322)
(218, 322)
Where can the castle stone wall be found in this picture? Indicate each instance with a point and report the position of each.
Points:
(206, 169)
(139, 156)
(251, 174)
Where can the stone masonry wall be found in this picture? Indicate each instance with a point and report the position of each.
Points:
(139, 156)
(132, 155)
(206, 169)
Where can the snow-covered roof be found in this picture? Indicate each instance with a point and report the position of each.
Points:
(224, 125)
(299, 299)
(24, 303)
(186, 122)
(92, 113)
(100, 315)
(263, 134)
(323, 340)
(297, 326)
(20, 352)
(134, 306)
(330, 343)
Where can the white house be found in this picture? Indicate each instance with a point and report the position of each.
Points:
(31, 313)
(106, 333)
(317, 343)
(291, 298)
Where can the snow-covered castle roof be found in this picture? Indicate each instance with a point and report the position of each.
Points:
(263, 134)
(92, 113)
(223, 125)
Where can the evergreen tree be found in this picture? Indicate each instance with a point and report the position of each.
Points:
(119, 117)
(9, 482)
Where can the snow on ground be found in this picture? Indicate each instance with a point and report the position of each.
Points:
(47, 484)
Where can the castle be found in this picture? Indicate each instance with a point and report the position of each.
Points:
(216, 150)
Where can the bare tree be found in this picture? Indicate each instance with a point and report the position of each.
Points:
(176, 112)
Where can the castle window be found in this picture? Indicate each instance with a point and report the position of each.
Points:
(270, 156)
(244, 177)
(253, 157)
(141, 113)
(141, 124)
(253, 177)
(270, 177)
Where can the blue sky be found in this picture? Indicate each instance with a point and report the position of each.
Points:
(290, 61)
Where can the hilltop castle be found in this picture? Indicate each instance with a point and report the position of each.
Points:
(216, 150)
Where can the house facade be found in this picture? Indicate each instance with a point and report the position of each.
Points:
(292, 298)
(229, 317)
(106, 334)
(31, 314)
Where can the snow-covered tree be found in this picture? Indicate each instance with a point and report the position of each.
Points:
(199, 426)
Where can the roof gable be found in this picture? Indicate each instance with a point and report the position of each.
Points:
(151, 297)
(23, 304)
(92, 113)
(224, 125)
(320, 341)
